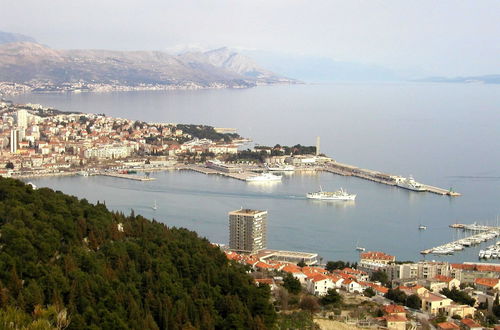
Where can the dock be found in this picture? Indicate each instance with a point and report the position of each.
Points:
(242, 175)
(376, 176)
(126, 176)
(485, 233)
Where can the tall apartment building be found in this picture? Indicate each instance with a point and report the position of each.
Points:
(13, 140)
(247, 230)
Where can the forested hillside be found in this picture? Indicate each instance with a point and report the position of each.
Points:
(111, 271)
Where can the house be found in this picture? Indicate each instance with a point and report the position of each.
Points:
(439, 282)
(395, 322)
(487, 284)
(447, 326)
(460, 310)
(434, 303)
(337, 281)
(378, 289)
(319, 284)
(469, 324)
(394, 309)
(268, 281)
(416, 289)
(376, 257)
(351, 286)
(358, 274)
(296, 272)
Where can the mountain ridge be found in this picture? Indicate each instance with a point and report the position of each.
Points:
(25, 61)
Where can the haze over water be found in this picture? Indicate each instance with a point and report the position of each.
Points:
(446, 135)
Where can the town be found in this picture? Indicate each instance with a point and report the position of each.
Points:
(386, 292)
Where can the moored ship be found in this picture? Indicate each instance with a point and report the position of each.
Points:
(411, 184)
(339, 195)
(264, 177)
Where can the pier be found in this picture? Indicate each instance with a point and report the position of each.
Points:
(126, 176)
(485, 233)
(379, 177)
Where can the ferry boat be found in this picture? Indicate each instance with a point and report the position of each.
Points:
(264, 177)
(410, 184)
(282, 168)
(339, 195)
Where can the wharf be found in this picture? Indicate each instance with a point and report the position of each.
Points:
(205, 170)
(126, 176)
(486, 233)
(379, 177)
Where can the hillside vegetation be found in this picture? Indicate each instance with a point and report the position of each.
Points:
(64, 254)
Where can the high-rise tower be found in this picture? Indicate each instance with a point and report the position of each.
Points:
(247, 230)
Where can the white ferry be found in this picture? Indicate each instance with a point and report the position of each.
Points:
(339, 195)
(410, 184)
(264, 177)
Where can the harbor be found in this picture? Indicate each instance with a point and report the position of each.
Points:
(480, 234)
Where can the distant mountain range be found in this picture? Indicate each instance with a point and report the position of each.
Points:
(322, 69)
(485, 79)
(23, 60)
(6, 37)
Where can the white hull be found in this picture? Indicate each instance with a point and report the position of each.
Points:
(412, 188)
(266, 177)
(339, 195)
(336, 198)
(410, 184)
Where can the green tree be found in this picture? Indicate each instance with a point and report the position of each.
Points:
(396, 295)
(332, 297)
(9, 165)
(414, 301)
(292, 284)
(333, 265)
(380, 276)
(369, 292)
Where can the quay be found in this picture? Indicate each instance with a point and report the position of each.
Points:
(486, 233)
(126, 176)
(376, 176)
(240, 175)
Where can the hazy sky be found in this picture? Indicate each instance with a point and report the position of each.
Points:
(445, 37)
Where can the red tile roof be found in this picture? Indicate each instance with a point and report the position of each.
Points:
(490, 282)
(470, 323)
(390, 309)
(377, 256)
(447, 325)
(395, 318)
(442, 278)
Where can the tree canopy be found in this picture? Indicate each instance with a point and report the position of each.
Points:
(111, 271)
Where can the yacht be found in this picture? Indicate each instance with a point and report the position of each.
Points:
(411, 184)
(422, 227)
(264, 177)
(155, 206)
(340, 195)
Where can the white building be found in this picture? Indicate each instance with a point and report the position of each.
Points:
(319, 284)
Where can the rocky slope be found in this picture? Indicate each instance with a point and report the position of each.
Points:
(23, 62)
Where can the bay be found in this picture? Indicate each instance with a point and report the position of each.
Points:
(445, 135)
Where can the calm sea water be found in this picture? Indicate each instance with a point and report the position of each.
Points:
(446, 135)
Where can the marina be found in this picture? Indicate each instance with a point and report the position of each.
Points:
(480, 234)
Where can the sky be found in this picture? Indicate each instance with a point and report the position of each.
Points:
(438, 37)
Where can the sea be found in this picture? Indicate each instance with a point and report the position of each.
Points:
(445, 135)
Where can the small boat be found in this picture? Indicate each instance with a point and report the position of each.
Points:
(155, 207)
(359, 248)
(422, 227)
